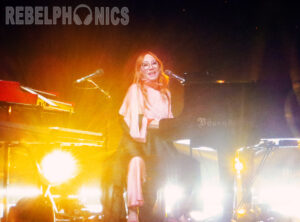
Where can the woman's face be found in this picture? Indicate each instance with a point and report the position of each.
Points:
(150, 68)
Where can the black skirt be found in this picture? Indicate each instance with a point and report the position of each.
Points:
(164, 165)
(160, 156)
(163, 162)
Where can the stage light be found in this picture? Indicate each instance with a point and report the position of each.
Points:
(2, 208)
(90, 196)
(58, 166)
(211, 197)
(198, 215)
(20, 191)
(93, 208)
(14, 193)
(172, 194)
(282, 198)
(86, 192)
(238, 165)
(241, 212)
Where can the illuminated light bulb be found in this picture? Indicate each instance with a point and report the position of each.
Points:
(238, 165)
(241, 212)
(58, 166)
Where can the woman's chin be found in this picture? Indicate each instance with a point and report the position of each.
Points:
(152, 78)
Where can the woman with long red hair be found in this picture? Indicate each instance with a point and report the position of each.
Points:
(148, 100)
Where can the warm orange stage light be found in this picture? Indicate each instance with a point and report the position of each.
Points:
(220, 81)
(59, 166)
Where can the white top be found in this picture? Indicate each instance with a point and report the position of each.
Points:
(158, 107)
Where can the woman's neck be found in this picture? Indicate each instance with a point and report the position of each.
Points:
(153, 84)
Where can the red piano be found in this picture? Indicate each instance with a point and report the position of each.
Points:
(13, 92)
(20, 104)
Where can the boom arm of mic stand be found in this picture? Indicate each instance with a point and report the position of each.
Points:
(101, 90)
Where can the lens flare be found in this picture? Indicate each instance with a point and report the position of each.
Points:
(283, 198)
(20, 191)
(89, 196)
(212, 196)
(172, 194)
(238, 165)
(58, 167)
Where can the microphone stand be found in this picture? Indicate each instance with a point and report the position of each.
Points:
(107, 122)
(107, 95)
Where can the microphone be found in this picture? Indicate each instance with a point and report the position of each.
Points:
(173, 75)
(98, 72)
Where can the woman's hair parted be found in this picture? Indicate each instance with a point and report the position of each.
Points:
(163, 79)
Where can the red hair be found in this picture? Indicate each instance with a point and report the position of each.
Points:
(162, 81)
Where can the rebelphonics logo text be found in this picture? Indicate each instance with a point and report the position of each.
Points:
(66, 15)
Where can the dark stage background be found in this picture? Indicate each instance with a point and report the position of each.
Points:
(230, 39)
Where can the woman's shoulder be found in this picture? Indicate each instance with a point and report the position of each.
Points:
(134, 87)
